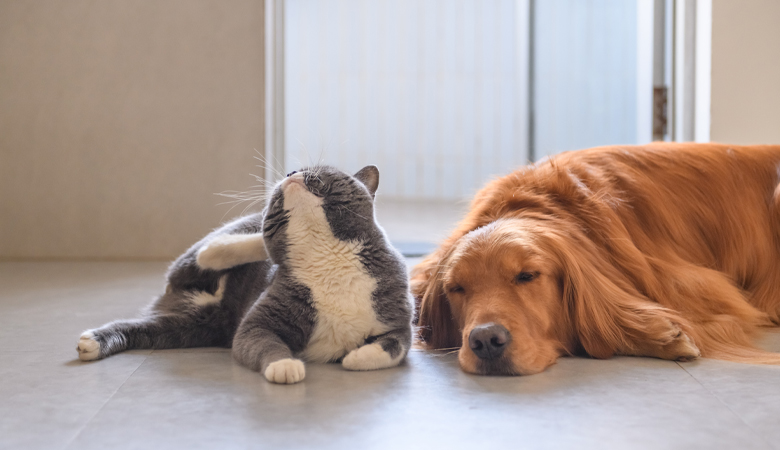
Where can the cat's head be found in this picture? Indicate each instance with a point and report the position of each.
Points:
(322, 196)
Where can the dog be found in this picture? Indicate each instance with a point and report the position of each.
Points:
(669, 250)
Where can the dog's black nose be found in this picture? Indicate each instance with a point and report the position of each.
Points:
(292, 173)
(489, 340)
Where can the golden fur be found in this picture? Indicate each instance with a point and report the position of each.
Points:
(665, 250)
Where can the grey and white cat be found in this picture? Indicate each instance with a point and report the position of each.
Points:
(334, 289)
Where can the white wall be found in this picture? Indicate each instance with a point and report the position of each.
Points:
(745, 71)
(120, 120)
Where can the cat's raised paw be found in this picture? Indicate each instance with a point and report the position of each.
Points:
(230, 250)
(285, 371)
(216, 255)
(368, 357)
(88, 347)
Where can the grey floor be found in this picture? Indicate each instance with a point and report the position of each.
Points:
(200, 398)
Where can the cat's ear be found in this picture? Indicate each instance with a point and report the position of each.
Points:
(369, 176)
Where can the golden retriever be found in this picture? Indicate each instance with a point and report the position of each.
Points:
(665, 250)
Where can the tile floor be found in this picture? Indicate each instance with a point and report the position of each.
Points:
(200, 398)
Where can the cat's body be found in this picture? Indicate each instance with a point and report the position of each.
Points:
(333, 290)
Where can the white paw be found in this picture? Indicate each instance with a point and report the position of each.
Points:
(215, 255)
(285, 371)
(88, 347)
(368, 357)
(230, 250)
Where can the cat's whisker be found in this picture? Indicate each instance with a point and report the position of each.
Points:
(442, 352)
(305, 150)
(250, 206)
(256, 194)
(447, 349)
(229, 209)
(266, 184)
(277, 163)
(297, 161)
(252, 193)
(240, 200)
(274, 172)
(353, 212)
(268, 167)
(260, 157)
(242, 197)
(316, 174)
(325, 148)
(308, 158)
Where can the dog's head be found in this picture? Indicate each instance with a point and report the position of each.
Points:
(498, 294)
(517, 293)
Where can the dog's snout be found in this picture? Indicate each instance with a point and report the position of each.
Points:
(489, 340)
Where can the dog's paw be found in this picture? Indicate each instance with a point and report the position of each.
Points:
(667, 341)
(88, 347)
(368, 357)
(285, 371)
(682, 348)
(673, 344)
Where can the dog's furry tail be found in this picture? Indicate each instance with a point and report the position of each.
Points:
(742, 353)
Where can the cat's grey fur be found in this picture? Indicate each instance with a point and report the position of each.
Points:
(334, 289)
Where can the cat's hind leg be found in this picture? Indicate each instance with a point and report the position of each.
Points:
(111, 338)
(174, 330)
(178, 319)
(380, 352)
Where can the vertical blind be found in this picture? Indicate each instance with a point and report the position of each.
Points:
(434, 92)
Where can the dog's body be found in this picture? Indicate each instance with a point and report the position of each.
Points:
(666, 250)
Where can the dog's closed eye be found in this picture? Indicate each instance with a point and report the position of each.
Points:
(525, 277)
(456, 289)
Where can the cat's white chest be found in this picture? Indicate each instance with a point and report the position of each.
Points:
(340, 286)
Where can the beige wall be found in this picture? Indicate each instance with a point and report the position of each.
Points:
(119, 120)
(746, 71)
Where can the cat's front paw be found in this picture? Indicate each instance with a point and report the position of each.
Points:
(285, 371)
(368, 357)
(88, 347)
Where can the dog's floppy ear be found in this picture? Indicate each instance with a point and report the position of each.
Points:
(606, 312)
(437, 327)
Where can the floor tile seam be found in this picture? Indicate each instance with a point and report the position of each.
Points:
(717, 397)
(83, 427)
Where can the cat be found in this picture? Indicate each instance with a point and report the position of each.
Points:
(311, 278)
